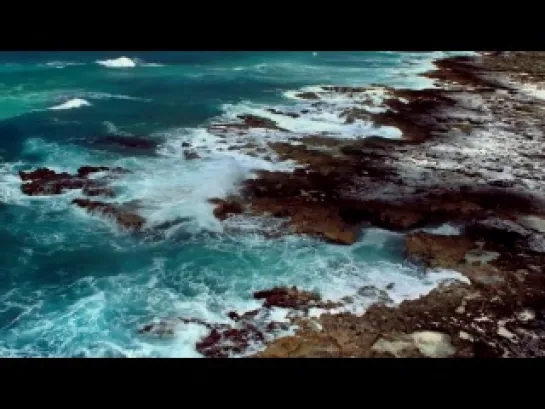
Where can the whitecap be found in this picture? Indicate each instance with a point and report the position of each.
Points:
(71, 104)
(126, 62)
(121, 62)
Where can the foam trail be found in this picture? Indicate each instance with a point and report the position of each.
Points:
(61, 64)
(105, 95)
(71, 104)
(151, 64)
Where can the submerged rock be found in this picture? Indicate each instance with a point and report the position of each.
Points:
(161, 329)
(190, 155)
(98, 191)
(277, 112)
(126, 143)
(308, 95)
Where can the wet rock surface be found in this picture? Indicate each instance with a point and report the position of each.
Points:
(45, 182)
(290, 298)
(92, 181)
(248, 122)
(124, 218)
(226, 208)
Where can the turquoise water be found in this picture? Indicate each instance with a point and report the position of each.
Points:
(72, 284)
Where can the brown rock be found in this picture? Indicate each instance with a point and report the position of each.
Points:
(287, 298)
(124, 218)
(225, 208)
(42, 173)
(250, 121)
(304, 155)
(313, 345)
(54, 185)
(47, 182)
(387, 215)
(437, 250)
(340, 237)
(222, 342)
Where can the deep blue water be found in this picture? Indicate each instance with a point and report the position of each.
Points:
(72, 284)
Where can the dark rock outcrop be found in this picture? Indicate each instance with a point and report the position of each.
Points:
(225, 208)
(45, 182)
(124, 218)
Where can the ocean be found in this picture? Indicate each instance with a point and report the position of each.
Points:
(74, 284)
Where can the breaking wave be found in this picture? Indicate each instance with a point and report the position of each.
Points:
(71, 104)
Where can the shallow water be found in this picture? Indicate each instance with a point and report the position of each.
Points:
(72, 284)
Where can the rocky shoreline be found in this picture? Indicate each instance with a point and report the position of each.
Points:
(472, 155)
